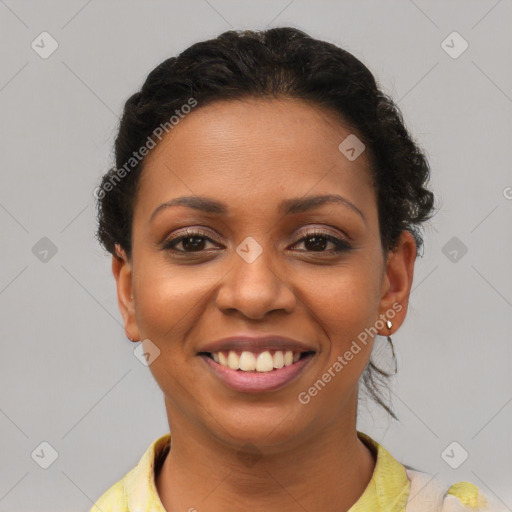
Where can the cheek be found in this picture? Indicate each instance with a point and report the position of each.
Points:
(346, 306)
(169, 301)
(168, 298)
(346, 301)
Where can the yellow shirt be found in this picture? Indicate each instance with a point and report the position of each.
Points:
(388, 489)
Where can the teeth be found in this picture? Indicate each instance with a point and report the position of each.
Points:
(247, 362)
(279, 359)
(233, 360)
(262, 362)
(288, 358)
(223, 360)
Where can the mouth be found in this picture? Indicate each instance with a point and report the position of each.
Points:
(250, 372)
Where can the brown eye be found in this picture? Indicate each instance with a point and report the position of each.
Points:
(318, 241)
(191, 242)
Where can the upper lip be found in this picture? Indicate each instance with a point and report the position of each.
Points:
(256, 344)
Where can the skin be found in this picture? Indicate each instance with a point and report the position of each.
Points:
(251, 155)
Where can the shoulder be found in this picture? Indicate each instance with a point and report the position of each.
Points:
(473, 498)
(114, 499)
(456, 497)
(468, 494)
(136, 490)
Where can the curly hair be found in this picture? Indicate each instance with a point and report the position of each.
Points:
(280, 62)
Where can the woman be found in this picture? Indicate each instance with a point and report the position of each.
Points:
(264, 218)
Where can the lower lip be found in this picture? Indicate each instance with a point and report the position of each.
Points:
(257, 382)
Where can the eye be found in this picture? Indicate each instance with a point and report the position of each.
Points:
(191, 241)
(195, 241)
(317, 241)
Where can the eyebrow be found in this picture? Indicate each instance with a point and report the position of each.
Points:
(287, 207)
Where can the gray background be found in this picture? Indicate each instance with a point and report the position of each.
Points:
(68, 375)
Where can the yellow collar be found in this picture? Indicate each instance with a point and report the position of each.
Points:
(389, 486)
(387, 490)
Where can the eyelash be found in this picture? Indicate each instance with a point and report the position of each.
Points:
(340, 245)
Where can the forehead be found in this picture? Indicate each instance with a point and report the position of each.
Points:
(254, 150)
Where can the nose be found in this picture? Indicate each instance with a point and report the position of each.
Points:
(254, 289)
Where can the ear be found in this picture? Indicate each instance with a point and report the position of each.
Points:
(397, 282)
(122, 270)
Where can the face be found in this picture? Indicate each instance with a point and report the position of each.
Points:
(258, 257)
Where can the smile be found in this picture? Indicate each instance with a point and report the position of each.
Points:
(257, 372)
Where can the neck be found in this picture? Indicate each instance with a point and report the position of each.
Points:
(328, 471)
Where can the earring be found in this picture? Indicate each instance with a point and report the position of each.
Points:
(389, 325)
